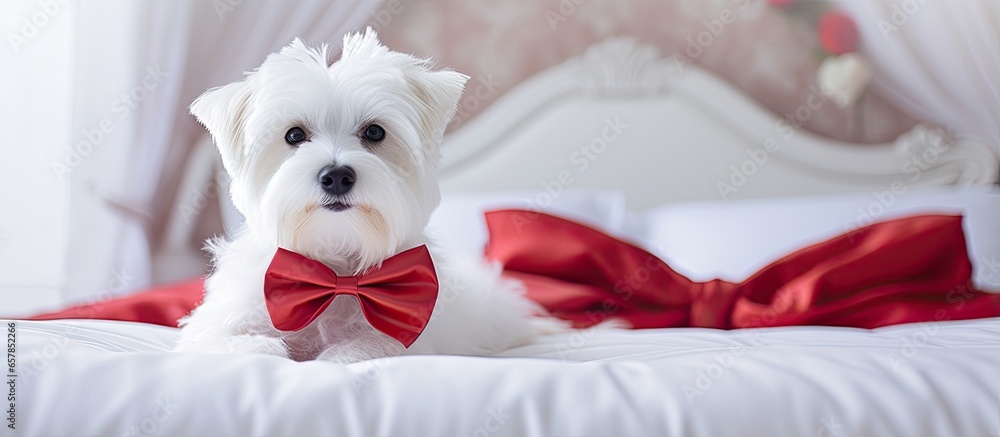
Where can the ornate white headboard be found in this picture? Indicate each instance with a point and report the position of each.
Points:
(624, 117)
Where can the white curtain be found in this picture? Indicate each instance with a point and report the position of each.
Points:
(938, 60)
(138, 65)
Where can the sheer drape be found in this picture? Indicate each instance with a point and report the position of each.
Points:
(939, 60)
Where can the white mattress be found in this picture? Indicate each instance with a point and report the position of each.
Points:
(102, 378)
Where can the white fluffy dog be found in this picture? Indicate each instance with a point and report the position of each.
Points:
(337, 162)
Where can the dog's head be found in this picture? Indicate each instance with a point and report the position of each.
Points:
(334, 161)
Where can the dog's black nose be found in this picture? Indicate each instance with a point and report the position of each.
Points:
(337, 180)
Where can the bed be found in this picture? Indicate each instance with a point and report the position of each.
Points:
(652, 151)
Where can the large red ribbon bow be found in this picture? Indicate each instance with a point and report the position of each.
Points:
(913, 269)
(396, 298)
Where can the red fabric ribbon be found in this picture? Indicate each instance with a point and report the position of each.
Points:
(162, 305)
(900, 271)
(908, 270)
(396, 298)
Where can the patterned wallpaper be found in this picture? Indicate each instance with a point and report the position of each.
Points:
(757, 47)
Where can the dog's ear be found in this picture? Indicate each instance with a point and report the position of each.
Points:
(437, 94)
(222, 110)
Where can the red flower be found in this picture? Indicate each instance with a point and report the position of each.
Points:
(837, 33)
(782, 3)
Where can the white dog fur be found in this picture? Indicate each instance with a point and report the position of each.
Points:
(275, 186)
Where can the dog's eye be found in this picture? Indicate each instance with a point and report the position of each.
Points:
(374, 133)
(295, 136)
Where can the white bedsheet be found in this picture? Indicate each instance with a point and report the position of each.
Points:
(101, 378)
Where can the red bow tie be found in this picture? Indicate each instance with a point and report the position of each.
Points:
(900, 271)
(396, 298)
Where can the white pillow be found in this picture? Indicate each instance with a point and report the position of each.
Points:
(732, 240)
(458, 227)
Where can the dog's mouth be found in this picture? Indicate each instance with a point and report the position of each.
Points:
(336, 206)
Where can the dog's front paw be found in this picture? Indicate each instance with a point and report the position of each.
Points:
(256, 344)
(238, 344)
(355, 351)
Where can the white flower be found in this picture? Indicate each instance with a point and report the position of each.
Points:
(844, 78)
